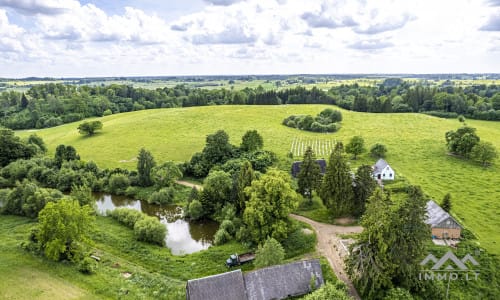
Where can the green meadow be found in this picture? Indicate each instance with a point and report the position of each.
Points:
(415, 142)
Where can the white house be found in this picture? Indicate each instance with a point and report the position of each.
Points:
(382, 171)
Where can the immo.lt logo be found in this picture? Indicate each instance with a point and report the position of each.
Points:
(449, 267)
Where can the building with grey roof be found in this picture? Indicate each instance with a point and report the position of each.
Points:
(276, 282)
(443, 226)
(382, 171)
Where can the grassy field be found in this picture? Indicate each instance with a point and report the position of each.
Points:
(416, 148)
(154, 273)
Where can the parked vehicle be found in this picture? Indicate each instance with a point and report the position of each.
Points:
(236, 260)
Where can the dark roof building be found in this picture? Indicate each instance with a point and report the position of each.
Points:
(276, 282)
(442, 225)
(225, 286)
(283, 281)
(296, 167)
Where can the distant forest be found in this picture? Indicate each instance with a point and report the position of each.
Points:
(52, 104)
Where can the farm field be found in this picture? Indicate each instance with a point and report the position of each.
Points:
(416, 148)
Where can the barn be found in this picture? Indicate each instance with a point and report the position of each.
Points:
(382, 171)
(276, 282)
(443, 226)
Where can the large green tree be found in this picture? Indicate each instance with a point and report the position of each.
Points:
(336, 189)
(309, 177)
(89, 128)
(272, 198)
(145, 164)
(462, 140)
(369, 264)
(217, 149)
(12, 148)
(216, 191)
(364, 184)
(251, 141)
(356, 146)
(63, 228)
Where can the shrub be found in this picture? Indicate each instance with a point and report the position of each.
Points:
(150, 230)
(272, 253)
(107, 112)
(118, 183)
(127, 216)
(228, 226)
(87, 265)
(221, 237)
(195, 210)
(163, 196)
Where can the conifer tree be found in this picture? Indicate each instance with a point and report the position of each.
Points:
(309, 177)
(336, 188)
(245, 178)
(446, 204)
(145, 163)
(364, 184)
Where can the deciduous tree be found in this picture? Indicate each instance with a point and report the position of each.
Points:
(484, 152)
(355, 146)
(269, 254)
(272, 198)
(145, 164)
(251, 141)
(63, 227)
(89, 128)
(166, 174)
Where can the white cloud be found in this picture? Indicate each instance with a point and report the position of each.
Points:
(251, 36)
(45, 7)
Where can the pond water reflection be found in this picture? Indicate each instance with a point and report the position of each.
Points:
(183, 236)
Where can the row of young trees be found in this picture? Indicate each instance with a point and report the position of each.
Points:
(53, 104)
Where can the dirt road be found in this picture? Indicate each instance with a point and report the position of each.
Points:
(328, 246)
(189, 184)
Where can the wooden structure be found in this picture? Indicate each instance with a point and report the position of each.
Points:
(276, 282)
(443, 226)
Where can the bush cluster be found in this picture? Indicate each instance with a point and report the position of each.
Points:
(146, 229)
(326, 121)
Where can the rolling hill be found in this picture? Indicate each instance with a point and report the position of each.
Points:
(415, 142)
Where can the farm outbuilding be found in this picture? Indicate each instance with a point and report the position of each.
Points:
(276, 282)
(382, 171)
(296, 167)
(443, 226)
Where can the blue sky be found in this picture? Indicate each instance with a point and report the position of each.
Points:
(69, 38)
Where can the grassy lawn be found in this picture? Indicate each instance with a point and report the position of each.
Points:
(155, 272)
(415, 142)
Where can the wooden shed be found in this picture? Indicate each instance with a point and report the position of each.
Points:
(443, 226)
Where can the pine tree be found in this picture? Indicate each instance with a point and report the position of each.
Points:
(446, 204)
(309, 177)
(363, 188)
(336, 188)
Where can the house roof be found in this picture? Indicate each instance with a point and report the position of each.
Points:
(379, 166)
(282, 281)
(276, 282)
(435, 214)
(225, 286)
(296, 167)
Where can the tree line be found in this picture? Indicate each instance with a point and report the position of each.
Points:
(53, 104)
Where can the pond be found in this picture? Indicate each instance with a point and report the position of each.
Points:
(183, 237)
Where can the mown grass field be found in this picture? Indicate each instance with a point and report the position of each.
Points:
(416, 148)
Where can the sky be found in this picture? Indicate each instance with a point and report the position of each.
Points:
(87, 38)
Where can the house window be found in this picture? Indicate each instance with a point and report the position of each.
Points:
(448, 222)
(383, 175)
(390, 175)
